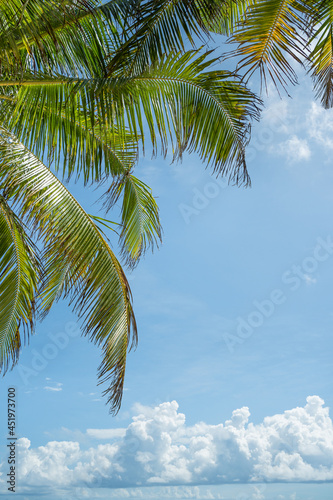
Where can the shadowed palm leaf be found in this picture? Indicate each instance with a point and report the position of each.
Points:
(234, 15)
(72, 36)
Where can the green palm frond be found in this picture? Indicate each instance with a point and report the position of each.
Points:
(270, 35)
(141, 226)
(58, 126)
(24, 26)
(206, 111)
(74, 37)
(19, 275)
(82, 86)
(180, 98)
(79, 264)
(321, 56)
(83, 43)
(159, 27)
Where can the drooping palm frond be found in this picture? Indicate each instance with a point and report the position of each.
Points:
(141, 227)
(180, 98)
(83, 43)
(270, 35)
(19, 275)
(321, 56)
(85, 270)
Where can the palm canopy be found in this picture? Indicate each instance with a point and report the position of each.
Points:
(83, 87)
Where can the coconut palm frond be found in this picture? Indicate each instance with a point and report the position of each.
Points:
(181, 98)
(20, 272)
(159, 27)
(79, 263)
(73, 37)
(141, 227)
(271, 34)
(207, 111)
(60, 128)
(321, 56)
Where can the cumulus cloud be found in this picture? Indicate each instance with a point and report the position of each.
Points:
(293, 129)
(158, 448)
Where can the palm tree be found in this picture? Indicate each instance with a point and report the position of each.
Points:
(82, 88)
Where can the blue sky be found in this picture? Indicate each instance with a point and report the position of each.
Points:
(235, 327)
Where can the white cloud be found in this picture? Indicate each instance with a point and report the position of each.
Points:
(57, 388)
(277, 116)
(295, 149)
(319, 123)
(158, 448)
(295, 130)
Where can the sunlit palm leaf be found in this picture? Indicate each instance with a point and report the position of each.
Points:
(321, 57)
(72, 92)
(206, 111)
(19, 275)
(271, 34)
(86, 270)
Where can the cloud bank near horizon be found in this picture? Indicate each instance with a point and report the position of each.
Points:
(158, 448)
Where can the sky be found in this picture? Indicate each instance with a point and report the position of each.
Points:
(228, 394)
